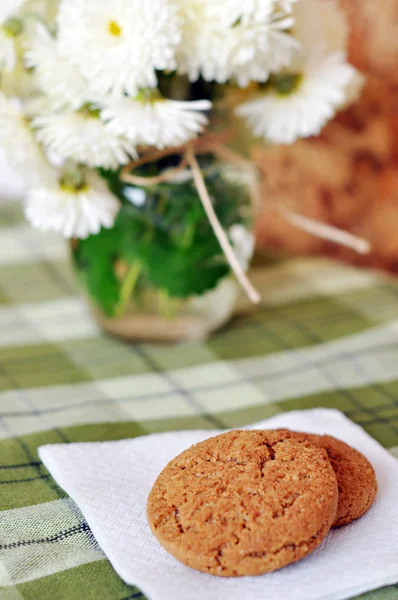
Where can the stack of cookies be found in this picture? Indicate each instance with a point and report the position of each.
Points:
(250, 502)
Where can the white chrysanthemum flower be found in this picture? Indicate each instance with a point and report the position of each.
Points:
(243, 243)
(72, 212)
(197, 33)
(156, 122)
(8, 31)
(283, 118)
(37, 105)
(253, 50)
(227, 40)
(84, 138)
(319, 82)
(56, 76)
(21, 149)
(119, 45)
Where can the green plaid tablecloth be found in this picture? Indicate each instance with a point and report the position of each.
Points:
(327, 335)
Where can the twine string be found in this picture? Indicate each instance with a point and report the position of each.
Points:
(325, 231)
(217, 227)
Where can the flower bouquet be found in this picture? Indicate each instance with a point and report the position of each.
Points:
(122, 118)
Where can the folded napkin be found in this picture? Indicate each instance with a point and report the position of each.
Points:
(110, 483)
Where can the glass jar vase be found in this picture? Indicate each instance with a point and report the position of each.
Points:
(160, 274)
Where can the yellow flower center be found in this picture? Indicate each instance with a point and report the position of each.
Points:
(114, 28)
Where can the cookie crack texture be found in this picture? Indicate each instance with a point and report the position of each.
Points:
(290, 545)
(244, 503)
(176, 514)
(286, 503)
(271, 450)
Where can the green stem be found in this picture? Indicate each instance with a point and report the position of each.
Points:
(128, 286)
(168, 307)
(188, 236)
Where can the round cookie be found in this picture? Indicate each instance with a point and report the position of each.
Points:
(244, 503)
(356, 478)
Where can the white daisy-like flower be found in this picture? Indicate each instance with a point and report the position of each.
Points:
(197, 33)
(56, 76)
(254, 50)
(84, 138)
(156, 122)
(231, 39)
(243, 243)
(8, 30)
(119, 45)
(72, 212)
(283, 118)
(37, 105)
(319, 82)
(19, 144)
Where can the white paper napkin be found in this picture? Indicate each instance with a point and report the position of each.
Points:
(110, 483)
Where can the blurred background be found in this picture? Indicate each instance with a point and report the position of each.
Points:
(347, 176)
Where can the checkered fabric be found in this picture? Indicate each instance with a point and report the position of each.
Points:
(326, 335)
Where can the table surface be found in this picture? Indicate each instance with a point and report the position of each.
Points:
(326, 335)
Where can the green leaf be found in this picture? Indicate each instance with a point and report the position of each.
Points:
(181, 272)
(94, 260)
